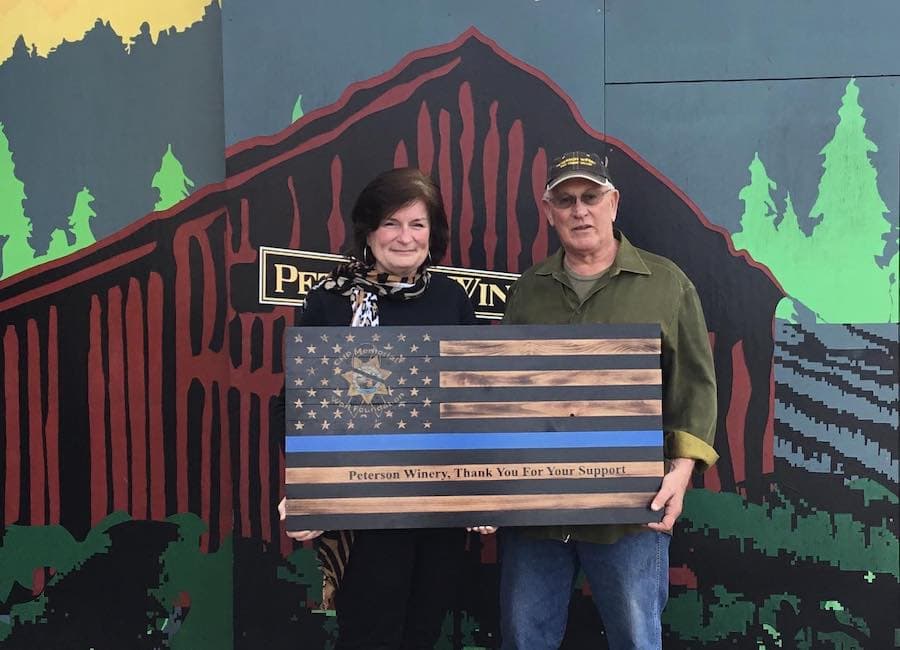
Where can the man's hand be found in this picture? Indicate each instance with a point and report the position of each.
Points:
(671, 494)
(299, 535)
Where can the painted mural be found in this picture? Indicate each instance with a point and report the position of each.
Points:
(146, 154)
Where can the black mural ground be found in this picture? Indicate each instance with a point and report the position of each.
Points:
(105, 603)
(276, 597)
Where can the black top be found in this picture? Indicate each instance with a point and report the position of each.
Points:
(443, 303)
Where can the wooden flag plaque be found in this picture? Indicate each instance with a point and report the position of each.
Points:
(406, 427)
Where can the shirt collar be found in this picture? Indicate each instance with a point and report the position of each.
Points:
(628, 258)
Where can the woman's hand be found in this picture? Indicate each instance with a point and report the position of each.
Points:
(304, 535)
(299, 535)
(483, 530)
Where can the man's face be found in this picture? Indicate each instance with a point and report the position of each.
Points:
(583, 213)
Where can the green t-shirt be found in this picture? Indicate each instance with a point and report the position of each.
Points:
(582, 284)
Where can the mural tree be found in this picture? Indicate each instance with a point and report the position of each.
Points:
(759, 223)
(80, 219)
(839, 270)
(79, 227)
(59, 246)
(771, 238)
(298, 109)
(171, 181)
(15, 227)
(851, 224)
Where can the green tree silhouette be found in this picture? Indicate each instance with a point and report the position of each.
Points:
(298, 109)
(758, 222)
(80, 219)
(171, 181)
(17, 253)
(774, 240)
(79, 227)
(795, 258)
(59, 246)
(838, 270)
(851, 223)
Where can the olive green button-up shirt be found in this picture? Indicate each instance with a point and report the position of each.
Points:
(639, 287)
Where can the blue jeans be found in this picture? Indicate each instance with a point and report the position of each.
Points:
(629, 581)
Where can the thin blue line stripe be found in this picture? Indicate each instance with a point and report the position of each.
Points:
(439, 441)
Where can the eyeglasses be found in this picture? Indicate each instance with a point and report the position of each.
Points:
(567, 201)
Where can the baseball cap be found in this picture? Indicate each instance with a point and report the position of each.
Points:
(577, 164)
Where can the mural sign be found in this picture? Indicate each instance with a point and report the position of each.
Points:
(286, 276)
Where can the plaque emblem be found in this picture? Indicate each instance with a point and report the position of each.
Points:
(366, 379)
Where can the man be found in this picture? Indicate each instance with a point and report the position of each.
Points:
(599, 277)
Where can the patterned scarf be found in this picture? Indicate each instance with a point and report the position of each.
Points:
(364, 286)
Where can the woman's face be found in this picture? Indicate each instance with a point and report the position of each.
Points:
(400, 243)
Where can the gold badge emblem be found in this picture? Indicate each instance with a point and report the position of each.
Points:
(366, 379)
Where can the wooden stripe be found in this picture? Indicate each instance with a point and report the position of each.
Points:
(544, 393)
(494, 377)
(523, 378)
(543, 409)
(366, 505)
(571, 362)
(474, 472)
(547, 348)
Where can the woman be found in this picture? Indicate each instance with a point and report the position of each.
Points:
(396, 585)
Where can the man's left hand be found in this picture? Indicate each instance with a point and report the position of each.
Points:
(670, 497)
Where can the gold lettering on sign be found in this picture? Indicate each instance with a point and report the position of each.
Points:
(488, 292)
(489, 472)
(467, 283)
(284, 273)
(482, 291)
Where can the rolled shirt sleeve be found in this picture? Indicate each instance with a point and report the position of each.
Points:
(689, 384)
